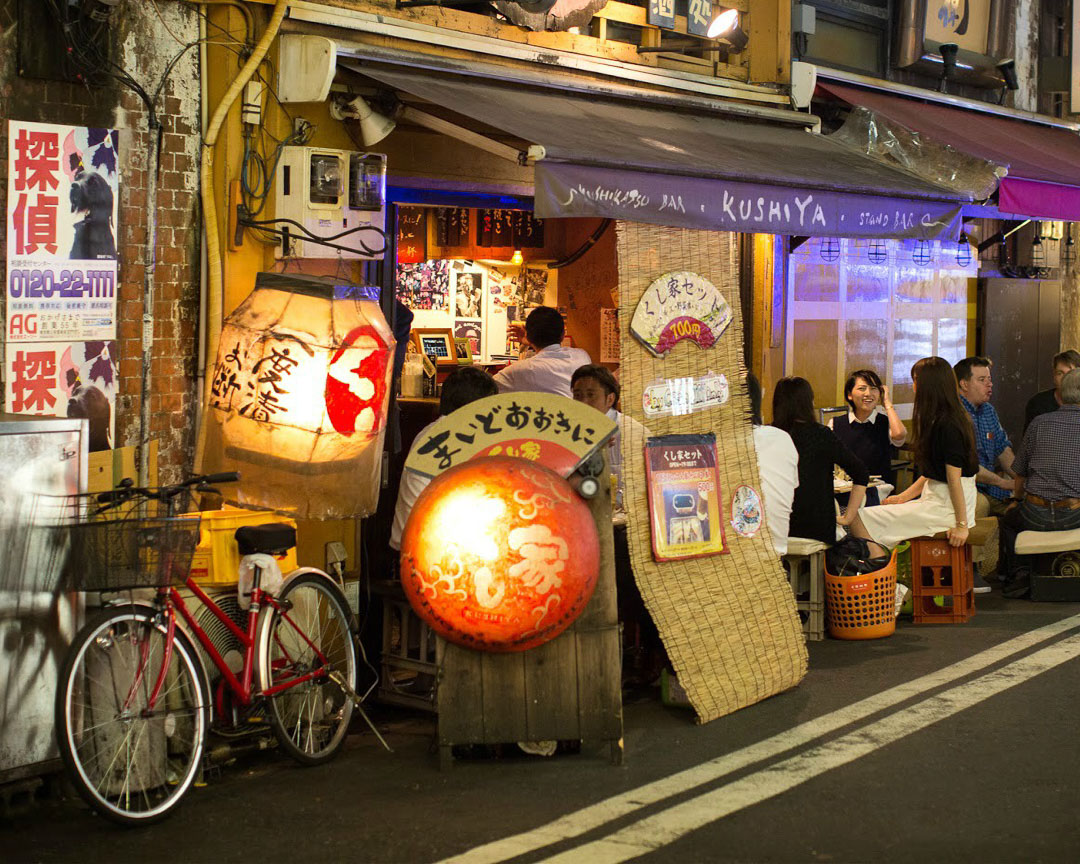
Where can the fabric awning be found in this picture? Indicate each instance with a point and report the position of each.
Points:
(1043, 161)
(653, 164)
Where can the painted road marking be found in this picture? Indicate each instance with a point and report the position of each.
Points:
(596, 815)
(667, 826)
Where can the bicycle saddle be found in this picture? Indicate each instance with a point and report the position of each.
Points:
(275, 538)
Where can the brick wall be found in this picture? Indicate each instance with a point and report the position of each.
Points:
(145, 42)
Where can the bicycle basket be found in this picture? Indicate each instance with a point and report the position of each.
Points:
(122, 552)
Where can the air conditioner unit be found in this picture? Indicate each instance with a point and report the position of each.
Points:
(329, 192)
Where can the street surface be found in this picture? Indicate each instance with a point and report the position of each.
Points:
(939, 744)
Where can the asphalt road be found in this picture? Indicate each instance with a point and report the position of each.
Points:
(944, 743)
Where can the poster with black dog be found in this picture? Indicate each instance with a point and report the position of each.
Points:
(63, 193)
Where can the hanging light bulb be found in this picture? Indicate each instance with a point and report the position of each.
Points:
(877, 252)
(517, 257)
(922, 253)
(1068, 254)
(830, 249)
(1038, 254)
(963, 251)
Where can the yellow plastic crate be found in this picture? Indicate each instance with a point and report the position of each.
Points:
(217, 557)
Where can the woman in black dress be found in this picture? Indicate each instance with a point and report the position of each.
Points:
(813, 512)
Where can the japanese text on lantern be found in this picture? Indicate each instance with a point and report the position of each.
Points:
(37, 169)
(254, 390)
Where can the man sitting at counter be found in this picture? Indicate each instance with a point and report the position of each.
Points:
(549, 370)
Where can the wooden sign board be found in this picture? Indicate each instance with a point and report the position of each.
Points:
(553, 430)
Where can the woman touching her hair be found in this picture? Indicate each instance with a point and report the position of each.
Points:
(943, 498)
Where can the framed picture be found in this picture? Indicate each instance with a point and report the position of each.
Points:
(463, 349)
(436, 342)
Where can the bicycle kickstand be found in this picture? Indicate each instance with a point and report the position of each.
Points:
(339, 679)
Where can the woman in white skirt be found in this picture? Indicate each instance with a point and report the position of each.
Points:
(943, 499)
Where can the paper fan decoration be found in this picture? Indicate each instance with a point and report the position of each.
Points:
(680, 306)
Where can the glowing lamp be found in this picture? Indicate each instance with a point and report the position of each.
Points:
(300, 390)
(499, 554)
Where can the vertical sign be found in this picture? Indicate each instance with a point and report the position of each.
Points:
(609, 335)
(1074, 62)
(61, 287)
(662, 14)
(412, 235)
(698, 17)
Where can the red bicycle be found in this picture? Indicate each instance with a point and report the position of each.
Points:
(134, 703)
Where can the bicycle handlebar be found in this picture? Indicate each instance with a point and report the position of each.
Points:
(126, 492)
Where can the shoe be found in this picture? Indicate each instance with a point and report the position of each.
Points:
(1018, 587)
(981, 586)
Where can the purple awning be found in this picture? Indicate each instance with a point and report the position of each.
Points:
(568, 189)
(1043, 161)
(689, 168)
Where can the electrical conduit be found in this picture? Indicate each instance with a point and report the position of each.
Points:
(215, 299)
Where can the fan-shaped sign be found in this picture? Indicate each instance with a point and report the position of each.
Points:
(680, 306)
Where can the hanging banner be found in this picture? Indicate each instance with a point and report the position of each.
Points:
(566, 189)
(63, 193)
(65, 379)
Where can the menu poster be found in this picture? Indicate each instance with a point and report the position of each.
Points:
(609, 335)
(684, 496)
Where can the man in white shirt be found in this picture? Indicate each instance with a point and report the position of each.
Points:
(778, 467)
(550, 368)
(464, 385)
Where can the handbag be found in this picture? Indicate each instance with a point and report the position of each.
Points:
(851, 557)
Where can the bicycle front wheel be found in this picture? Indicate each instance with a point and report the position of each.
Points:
(307, 668)
(130, 761)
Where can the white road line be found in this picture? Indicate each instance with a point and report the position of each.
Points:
(596, 815)
(671, 824)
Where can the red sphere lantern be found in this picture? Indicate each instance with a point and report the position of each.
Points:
(499, 554)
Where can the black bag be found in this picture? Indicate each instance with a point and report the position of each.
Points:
(851, 557)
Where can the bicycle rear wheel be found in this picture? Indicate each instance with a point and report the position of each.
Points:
(308, 641)
(130, 763)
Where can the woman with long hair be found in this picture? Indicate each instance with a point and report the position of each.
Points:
(813, 512)
(943, 498)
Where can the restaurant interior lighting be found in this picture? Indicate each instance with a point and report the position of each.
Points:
(517, 257)
(725, 27)
(373, 125)
(948, 50)
(1007, 68)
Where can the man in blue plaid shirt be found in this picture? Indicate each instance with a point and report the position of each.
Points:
(991, 440)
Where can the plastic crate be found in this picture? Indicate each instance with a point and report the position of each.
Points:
(864, 606)
(217, 558)
(903, 575)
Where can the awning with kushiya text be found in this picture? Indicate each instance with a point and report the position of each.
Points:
(666, 165)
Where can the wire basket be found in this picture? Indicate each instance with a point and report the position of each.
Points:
(130, 551)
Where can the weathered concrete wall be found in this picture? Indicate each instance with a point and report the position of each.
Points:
(146, 40)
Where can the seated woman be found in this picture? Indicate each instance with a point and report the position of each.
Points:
(943, 499)
(813, 513)
(871, 428)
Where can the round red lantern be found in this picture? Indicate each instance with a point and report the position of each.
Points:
(499, 554)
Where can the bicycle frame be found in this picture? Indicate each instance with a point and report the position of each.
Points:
(242, 688)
